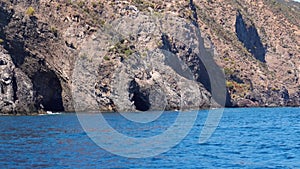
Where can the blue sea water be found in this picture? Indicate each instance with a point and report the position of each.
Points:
(245, 138)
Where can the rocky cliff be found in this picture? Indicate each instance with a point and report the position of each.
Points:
(57, 55)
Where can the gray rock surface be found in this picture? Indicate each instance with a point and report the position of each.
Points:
(137, 76)
(7, 103)
(130, 56)
(17, 94)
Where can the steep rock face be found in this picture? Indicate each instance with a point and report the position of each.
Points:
(16, 88)
(6, 84)
(34, 49)
(257, 44)
(248, 35)
(237, 29)
(135, 76)
(32, 46)
(295, 100)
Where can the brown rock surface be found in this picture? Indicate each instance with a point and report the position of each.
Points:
(42, 41)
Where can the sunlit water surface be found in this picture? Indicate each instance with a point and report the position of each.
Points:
(245, 138)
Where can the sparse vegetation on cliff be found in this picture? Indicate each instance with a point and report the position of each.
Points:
(256, 43)
(30, 11)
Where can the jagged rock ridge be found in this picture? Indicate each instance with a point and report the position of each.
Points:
(255, 42)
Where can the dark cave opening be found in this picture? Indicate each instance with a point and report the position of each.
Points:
(139, 97)
(48, 91)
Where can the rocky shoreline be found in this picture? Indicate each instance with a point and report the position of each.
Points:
(135, 56)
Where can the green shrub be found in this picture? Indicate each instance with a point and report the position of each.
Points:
(54, 30)
(83, 56)
(102, 22)
(128, 52)
(94, 4)
(144, 54)
(69, 2)
(228, 71)
(229, 85)
(30, 11)
(106, 58)
(81, 4)
(159, 44)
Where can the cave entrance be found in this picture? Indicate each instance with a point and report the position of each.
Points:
(139, 97)
(141, 102)
(48, 91)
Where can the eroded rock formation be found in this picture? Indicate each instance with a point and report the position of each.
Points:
(147, 55)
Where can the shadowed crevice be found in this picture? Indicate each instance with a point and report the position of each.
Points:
(248, 35)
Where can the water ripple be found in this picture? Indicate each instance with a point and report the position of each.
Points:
(245, 138)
